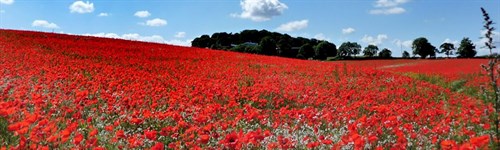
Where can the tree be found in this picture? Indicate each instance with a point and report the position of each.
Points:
(447, 48)
(349, 48)
(325, 49)
(422, 47)
(406, 54)
(466, 48)
(268, 46)
(385, 53)
(370, 50)
(284, 47)
(202, 42)
(222, 40)
(306, 51)
(246, 48)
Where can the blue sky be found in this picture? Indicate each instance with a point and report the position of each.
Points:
(387, 23)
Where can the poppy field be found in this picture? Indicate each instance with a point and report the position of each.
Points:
(77, 92)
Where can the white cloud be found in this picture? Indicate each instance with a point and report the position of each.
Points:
(293, 26)
(138, 37)
(179, 42)
(156, 22)
(180, 35)
(348, 30)
(390, 3)
(103, 15)
(321, 36)
(480, 44)
(375, 40)
(81, 7)
(44, 24)
(388, 11)
(261, 10)
(106, 35)
(407, 43)
(7, 2)
(388, 7)
(142, 14)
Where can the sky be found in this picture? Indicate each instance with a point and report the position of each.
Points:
(391, 24)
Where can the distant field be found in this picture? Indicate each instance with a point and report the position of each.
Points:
(65, 92)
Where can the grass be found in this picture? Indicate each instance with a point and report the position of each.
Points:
(458, 86)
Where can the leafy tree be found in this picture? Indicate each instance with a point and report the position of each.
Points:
(447, 48)
(202, 42)
(268, 45)
(349, 48)
(385, 53)
(246, 48)
(406, 54)
(370, 50)
(466, 48)
(325, 49)
(250, 36)
(222, 40)
(284, 47)
(306, 51)
(422, 47)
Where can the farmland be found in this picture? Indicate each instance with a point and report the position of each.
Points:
(64, 91)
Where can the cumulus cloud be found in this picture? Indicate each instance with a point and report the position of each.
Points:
(156, 22)
(142, 14)
(103, 14)
(138, 37)
(261, 10)
(7, 2)
(180, 35)
(81, 7)
(407, 43)
(321, 36)
(388, 7)
(348, 30)
(375, 40)
(44, 24)
(293, 26)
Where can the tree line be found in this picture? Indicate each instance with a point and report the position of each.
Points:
(277, 44)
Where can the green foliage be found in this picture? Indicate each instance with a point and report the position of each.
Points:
(406, 54)
(370, 50)
(347, 49)
(268, 46)
(466, 49)
(447, 48)
(284, 47)
(6, 138)
(325, 49)
(269, 43)
(203, 42)
(458, 86)
(306, 51)
(246, 48)
(423, 48)
(385, 53)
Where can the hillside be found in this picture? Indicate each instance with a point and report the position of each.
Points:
(65, 91)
